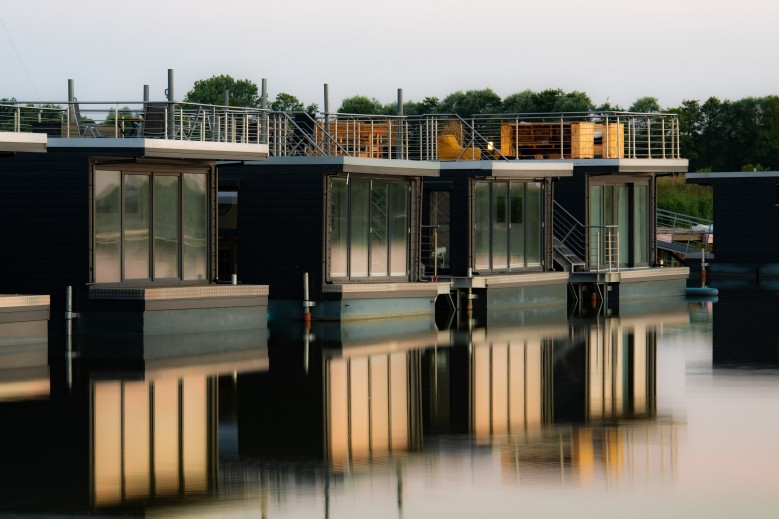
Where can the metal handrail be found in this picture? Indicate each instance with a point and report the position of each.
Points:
(603, 248)
(678, 224)
(133, 119)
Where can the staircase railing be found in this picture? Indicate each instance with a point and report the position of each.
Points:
(569, 238)
(694, 232)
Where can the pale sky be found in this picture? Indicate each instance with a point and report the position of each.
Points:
(616, 50)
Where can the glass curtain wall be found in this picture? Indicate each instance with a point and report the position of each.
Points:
(150, 226)
(368, 222)
(507, 224)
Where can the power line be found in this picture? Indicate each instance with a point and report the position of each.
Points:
(20, 59)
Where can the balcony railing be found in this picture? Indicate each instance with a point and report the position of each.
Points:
(124, 120)
(567, 136)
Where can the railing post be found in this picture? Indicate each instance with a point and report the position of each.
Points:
(648, 138)
(662, 133)
(605, 140)
(562, 138)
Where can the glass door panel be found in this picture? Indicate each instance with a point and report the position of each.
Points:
(195, 228)
(398, 229)
(640, 226)
(623, 222)
(108, 226)
(339, 227)
(379, 229)
(500, 225)
(517, 225)
(135, 237)
(360, 228)
(481, 231)
(533, 221)
(166, 226)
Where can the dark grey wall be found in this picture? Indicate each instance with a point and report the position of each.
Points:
(746, 221)
(44, 223)
(280, 226)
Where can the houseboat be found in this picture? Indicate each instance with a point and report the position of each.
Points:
(117, 221)
(745, 212)
(488, 231)
(339, 233)
(604, 213)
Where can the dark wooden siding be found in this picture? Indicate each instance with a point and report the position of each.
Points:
(280, 226)
(44, 224)
(746, 221)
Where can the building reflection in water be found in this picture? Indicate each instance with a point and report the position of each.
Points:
(24, 361)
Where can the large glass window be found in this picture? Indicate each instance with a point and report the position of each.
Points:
(508, 225)
(368, 229)
(640, 225)
(150, 226)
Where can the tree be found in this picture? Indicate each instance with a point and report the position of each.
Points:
(361, 105)
(211, 91)
(472, 102)
(645, 105)
(123, 113)
(286, 103)
(520, 103)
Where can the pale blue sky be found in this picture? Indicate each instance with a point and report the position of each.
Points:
(612, 49)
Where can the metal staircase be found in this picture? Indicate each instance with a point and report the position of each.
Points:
(568, 240)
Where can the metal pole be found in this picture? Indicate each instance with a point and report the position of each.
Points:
(263, 134)
(145, 93)
(399, 154)
(171, 133)
(226, 101)
(327, 118)
(68, 311)
(71, 105)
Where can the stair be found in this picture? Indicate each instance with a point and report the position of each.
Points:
(568, 260)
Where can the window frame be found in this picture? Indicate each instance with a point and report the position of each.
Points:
(153, 170)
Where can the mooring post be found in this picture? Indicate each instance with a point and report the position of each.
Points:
(307, 303)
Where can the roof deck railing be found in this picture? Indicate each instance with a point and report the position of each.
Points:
(505, 137)
(155, 120)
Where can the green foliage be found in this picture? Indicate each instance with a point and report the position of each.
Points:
(550, 100)
(211, 91)
(472, 102)
(674, 194)
(361, 105)
(286, 103)
(645, 105)
(122, 113)
(753, 167)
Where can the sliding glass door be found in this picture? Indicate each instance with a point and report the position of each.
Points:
(507, 225)
(368, 229)
(625, 207)
(150, 226)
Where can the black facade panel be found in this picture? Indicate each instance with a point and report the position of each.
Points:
(280, 227)
(746, 217)
(44, 210)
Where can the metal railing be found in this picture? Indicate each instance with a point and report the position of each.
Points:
(690, 231)
(488, 137)
(432, 255)
(602, 248)
(568, 136)
(156, 120)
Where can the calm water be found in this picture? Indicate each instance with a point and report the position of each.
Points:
(669, 409)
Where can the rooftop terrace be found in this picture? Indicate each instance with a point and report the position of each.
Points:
(501, 137)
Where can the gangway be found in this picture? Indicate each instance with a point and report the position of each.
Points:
(683, 236)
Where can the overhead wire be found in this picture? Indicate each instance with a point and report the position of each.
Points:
(19, 57)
